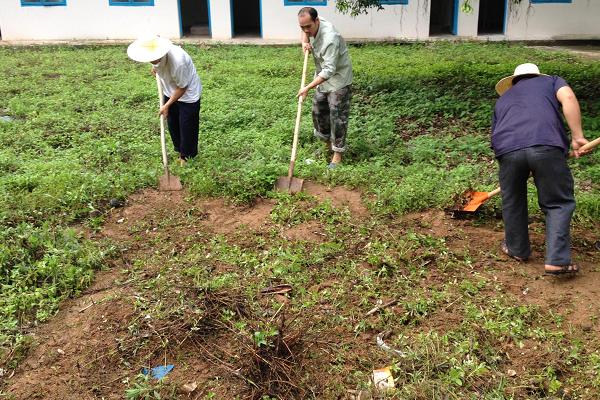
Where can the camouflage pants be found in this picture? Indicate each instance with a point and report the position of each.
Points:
(330, 116)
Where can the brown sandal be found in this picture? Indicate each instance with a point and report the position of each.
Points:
(564, 269)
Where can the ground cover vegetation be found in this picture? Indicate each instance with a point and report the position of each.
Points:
(82, 129)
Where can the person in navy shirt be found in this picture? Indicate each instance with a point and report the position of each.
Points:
(529, 137)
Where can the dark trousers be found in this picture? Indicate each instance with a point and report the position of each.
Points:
(184, 125)
(554, 184)
(330, 116)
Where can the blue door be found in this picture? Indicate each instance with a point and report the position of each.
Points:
(455, 18)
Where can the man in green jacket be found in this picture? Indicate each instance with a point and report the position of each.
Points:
(333, 80)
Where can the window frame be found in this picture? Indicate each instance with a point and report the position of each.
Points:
(303, 3)
(130, 3)
(42, 3)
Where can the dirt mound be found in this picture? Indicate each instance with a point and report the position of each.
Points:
(80, 353)
(223, 218)
(143, 207)
(67, 355)
(77, 353)
(311, 231)
(339, 197)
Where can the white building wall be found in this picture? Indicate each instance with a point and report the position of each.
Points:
(409, 21)
(220, 15)
(87, 19)
(579, 19)
(467, 23)
(554, 21)
(95, 19)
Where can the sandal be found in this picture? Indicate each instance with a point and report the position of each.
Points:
(504, 249)
(564, 269)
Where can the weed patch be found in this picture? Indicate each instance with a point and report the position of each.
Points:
(39, 267)
(86, 133)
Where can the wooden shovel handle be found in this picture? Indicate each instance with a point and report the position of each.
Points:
(298, 115)
(163, 143)
(494, 192)
(588, 146)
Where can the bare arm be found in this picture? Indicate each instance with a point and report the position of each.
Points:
(164, 110)
(572, 112)
(316, 82)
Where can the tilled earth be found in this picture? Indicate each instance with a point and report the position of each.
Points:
(97, 343)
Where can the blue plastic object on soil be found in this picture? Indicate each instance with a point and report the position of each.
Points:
(158, 372)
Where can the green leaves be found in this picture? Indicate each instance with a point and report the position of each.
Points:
(263, 338)
(39, 267)
(356, 7)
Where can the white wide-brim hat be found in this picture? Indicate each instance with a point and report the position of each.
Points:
(524, 69)
(149, 48)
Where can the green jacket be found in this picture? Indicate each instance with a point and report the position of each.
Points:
(331, 56)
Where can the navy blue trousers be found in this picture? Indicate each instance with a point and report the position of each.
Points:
(554, 184)
(184, 125)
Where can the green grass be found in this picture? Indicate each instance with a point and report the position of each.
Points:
(85, 130)
(40, 266)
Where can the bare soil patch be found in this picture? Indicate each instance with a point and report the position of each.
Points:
(80, 353)
(339, 197)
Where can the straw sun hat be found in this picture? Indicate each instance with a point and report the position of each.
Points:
(524, 69)
(149, 48)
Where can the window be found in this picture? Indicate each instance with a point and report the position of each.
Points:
(43, 2)
(550, 1)
(391, 2)
(304, 2)
(131, 2)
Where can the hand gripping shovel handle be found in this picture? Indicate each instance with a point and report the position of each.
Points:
(588, 146)
(163, 144)
(297, 126)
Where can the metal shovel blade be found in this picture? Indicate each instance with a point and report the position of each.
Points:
(290, 185)
(476, 199)
(168, 182)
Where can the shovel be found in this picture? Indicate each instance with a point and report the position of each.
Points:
(476, 199)
(289, 183)
(166, 182)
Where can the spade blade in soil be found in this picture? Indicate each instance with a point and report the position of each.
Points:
(470, 201)
(290, 185)
(476, 199)
(168, 182)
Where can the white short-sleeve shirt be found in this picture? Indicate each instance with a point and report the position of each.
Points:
(176, 70)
